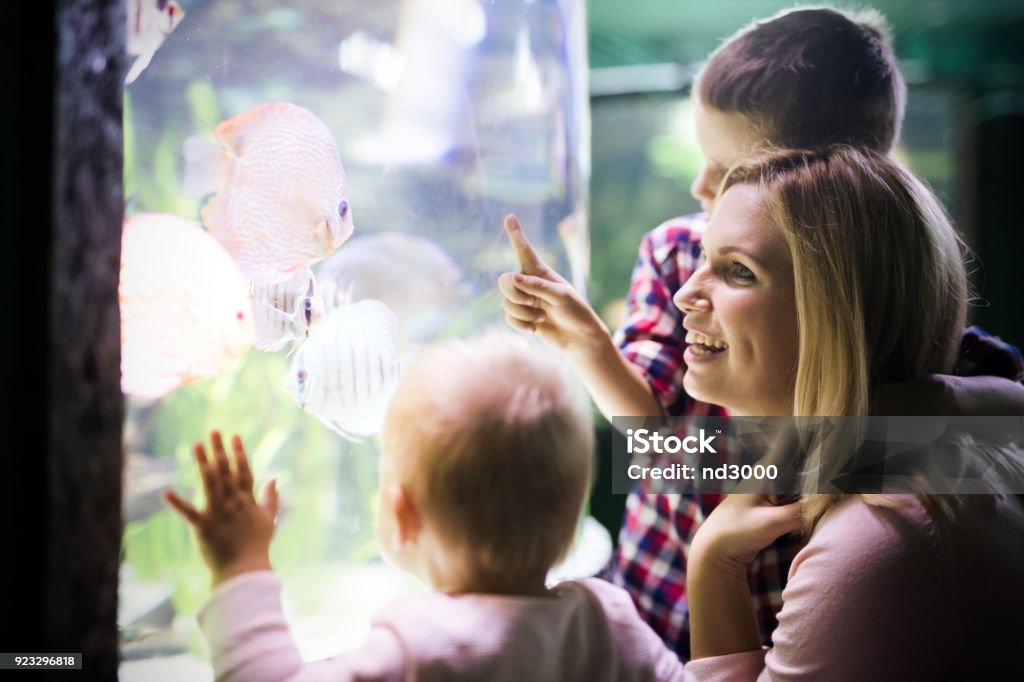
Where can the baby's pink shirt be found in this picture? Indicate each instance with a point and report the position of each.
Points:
(587, 630)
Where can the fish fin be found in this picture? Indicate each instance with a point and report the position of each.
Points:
(229, 132)
(327, 290)
(138, 66)
(206, 166)
(334, 426)
(265, 318)
(214, 215)
(295, 346)
(346, 296)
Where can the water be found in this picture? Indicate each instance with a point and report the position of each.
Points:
(448, 114)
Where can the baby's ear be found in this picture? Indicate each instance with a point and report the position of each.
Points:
(408, 521)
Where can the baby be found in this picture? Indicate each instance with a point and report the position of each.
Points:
(484, 467)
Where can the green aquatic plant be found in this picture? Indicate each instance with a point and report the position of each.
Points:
(328, 485)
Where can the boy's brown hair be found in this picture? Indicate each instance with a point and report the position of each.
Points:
(810, 77)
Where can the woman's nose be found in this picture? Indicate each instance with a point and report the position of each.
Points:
(692, 297)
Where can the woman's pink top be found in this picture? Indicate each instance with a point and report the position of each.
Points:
(891, 594)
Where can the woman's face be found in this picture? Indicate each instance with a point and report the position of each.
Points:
(740, 311)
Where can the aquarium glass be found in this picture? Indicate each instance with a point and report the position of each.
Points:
(447, 115)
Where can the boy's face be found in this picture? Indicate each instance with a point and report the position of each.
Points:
(724, 139)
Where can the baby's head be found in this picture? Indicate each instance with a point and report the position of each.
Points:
(485, 463)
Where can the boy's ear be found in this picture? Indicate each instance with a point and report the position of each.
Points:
(408, 521)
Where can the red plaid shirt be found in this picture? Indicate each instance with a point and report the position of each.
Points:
(650, 560)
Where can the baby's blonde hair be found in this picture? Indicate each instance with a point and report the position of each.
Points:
(503, 439)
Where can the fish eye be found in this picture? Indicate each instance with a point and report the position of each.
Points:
(308, 304)
(302, 375)
(343, 208)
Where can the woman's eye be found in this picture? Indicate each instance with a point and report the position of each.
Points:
(740, 272)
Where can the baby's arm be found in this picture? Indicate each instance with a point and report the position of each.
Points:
(243, 621)
(250, 642)
(540, 300)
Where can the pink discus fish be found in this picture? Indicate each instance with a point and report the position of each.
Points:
(184, 305)
(280, 200)
(348, 368)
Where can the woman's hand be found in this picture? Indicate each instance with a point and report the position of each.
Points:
(234, 531)
(740, 527)
(540, 300)
(722, 618)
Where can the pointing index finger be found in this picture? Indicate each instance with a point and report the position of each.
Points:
(529, 261)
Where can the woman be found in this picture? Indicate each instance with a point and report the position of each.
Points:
(826, 275)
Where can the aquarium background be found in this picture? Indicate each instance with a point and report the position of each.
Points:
(448, 115)
(413, 136)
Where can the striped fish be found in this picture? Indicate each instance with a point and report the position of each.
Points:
(285, 311)
(348, 368)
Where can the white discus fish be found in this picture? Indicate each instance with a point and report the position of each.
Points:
(280, 200)
(285, 311)
(347, 370)
(149, 24)
(414, 276)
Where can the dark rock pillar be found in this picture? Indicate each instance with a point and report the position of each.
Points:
(62, 525)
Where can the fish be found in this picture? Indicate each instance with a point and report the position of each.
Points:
(280, 199)
(184, 305)
(149, 24)
(413, 275)
(285, 311)
(347, 370)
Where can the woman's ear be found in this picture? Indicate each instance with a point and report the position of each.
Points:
(408, 522)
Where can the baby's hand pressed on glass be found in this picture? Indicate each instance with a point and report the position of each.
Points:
(234, 531)
(540, 300)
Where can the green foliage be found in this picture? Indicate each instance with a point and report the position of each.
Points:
(326, 483)
(203, 105)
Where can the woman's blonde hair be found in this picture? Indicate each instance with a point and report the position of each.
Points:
(881, 287)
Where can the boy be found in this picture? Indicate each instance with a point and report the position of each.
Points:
(804, 78)
(481, 487)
